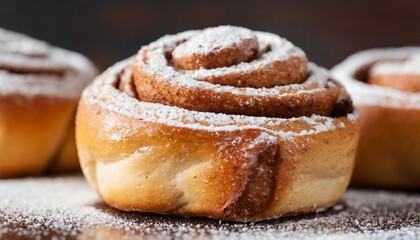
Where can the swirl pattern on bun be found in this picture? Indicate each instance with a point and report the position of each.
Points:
(224, 123)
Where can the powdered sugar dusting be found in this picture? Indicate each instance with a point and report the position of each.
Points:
(408, 66)
(281, 50)
(11, 42)
(39, 63)
(366, 94)
(213, 39)
(103, 92)
(66, 207)
(46, 70)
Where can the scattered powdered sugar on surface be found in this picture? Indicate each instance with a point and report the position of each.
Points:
(367, 94)
(18, 51)
(65, 207)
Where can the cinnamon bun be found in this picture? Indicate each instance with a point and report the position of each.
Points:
(385, 87)
(39, 90)
(224, 122)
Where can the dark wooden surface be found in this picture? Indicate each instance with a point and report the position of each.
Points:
(108, 31)
(67, 208)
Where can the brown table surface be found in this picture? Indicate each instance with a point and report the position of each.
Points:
(65, 207)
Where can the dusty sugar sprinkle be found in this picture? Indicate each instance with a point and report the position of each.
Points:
(410, 66)
(281, 50)
(67, 208)
(30, 67)
(213, 39)
(103, 93)
(366, 94)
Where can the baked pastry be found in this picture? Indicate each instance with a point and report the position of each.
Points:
(224, 122)
(39, 89)
(385, 87)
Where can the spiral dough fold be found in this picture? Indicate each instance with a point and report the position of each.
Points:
(223, 122)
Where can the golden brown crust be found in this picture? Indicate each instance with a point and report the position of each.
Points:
(39, 90)
(401, 73)
(402, 82)
(388, 154)
(225, 173)
(145, 161)
(31, 132)
(389, 150)
(165, 158)
(66, 160)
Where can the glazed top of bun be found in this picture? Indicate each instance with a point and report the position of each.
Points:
(30, 67)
